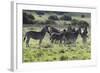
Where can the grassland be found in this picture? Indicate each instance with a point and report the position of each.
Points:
(55, 52)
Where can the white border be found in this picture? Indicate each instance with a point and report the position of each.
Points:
(17, 37)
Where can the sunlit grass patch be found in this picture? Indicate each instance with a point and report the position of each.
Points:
(55, 52)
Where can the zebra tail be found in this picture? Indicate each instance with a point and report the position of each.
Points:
(24, 38)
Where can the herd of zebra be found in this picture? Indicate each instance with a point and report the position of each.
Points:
(65, 36)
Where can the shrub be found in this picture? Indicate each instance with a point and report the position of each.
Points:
(40, 12)
(28, 18)
(83, 23)
(40, 22)
(31, 16)
(50, 22)
(82, 16)
(75, 22)
(64, 17)
(53, 17)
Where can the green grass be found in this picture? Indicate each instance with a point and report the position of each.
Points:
(56, 52)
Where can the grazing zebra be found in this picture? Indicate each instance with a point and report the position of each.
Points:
(58, 37)
(72, 35)
(35, 35)
(84, 34)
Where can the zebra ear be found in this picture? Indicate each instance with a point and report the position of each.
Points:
(48, 25)
(45, 26)
(48, 28)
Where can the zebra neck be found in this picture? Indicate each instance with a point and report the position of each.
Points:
(43, 33)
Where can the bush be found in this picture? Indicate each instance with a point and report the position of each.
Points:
(75, 22)
(40, 22)
(53, 17)
(50, 22)
(83, 24)
(28, 18)
(40, 12)
(82, 16)
(64, 17)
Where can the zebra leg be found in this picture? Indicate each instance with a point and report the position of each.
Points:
(55, 41)
(40, 42)
(65, 42)
(27, 42)
(52, 40)
(60, 41)
(84, 40)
